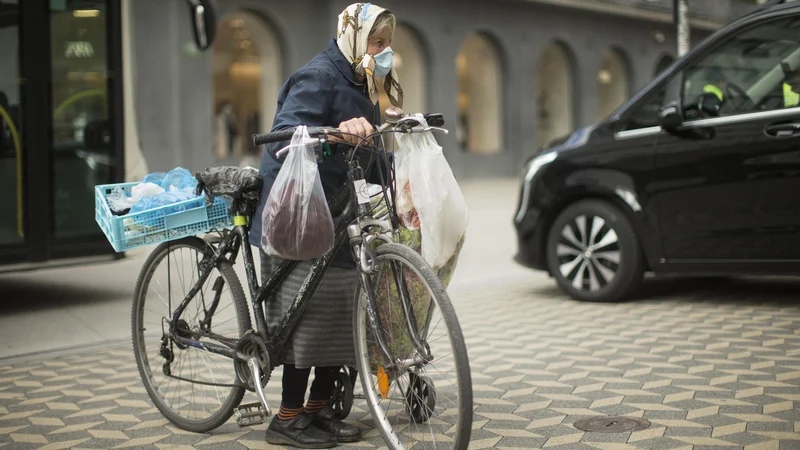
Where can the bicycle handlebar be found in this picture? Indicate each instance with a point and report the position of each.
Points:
(433, 120)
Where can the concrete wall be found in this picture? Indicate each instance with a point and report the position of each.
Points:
(173, 88)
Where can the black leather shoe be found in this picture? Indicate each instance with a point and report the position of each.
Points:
(299, 432)
(326, 420)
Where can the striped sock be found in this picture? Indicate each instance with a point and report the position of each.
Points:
(315, 406)
(287, 414)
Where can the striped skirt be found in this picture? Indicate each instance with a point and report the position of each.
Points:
(324, 335)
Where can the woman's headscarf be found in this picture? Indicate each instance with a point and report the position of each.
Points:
(355, 24)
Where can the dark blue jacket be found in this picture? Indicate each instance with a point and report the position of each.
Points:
(324, 92)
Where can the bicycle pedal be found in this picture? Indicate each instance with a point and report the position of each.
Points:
(250, 414)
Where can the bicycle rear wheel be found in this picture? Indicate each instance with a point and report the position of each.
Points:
(199, 390)
(424, 404)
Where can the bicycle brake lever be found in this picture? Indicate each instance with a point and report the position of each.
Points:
(441, 130)
(285, 150)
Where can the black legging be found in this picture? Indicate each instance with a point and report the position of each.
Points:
(295, 382)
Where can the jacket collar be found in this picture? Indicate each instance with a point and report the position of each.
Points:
(341, 63)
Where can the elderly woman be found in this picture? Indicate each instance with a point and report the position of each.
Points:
(339, 87)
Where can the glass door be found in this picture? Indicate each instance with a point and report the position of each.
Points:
(60, 125)
(82, 153)
(12, 208)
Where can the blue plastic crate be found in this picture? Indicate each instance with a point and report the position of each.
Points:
(165, 223)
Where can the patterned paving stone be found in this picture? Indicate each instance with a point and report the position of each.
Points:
(715, 371)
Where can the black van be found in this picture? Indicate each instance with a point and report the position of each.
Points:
(699, 173)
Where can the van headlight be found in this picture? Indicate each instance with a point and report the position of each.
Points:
(537, 163)
(531, 168)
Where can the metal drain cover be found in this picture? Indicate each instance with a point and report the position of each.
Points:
(612, 424)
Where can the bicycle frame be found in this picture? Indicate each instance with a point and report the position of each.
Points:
(343, 206)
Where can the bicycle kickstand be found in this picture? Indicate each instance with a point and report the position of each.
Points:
(253, 413)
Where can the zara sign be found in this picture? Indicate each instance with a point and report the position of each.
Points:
(79, 49)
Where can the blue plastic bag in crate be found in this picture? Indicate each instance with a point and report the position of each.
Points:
(164, 223)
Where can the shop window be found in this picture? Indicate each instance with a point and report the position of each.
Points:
(82, 153)
(480, 116)
(409, 61)
(613, 83)
(11, 208)
(248, 76)
(554, 94)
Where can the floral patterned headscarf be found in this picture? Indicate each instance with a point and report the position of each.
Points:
(355, 24)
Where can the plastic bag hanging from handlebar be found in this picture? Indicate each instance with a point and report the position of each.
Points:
(296, 223)
(428, 197)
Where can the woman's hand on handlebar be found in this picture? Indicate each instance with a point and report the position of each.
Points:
(359, 126)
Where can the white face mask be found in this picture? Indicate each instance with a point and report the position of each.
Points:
(383, 62)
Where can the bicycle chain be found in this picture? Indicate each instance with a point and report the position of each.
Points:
(205, 383)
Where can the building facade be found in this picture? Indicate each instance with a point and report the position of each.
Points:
(509, 75)
(102, 91)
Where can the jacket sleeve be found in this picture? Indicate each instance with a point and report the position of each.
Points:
(307, 102)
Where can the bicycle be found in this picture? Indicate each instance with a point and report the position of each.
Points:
(254, 353)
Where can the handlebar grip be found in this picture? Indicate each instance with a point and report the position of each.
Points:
(434, 119)
(275, 136)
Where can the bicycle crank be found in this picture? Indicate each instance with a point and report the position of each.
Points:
(253, 413)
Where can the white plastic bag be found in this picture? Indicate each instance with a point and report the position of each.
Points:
(428, 197)
(296, 223)
(142, 190)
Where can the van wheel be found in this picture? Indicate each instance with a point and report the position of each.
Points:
(593, 252)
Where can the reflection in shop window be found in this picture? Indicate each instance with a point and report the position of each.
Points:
(247, 78)
(83, 151)
(80, 86)
(613, 83)
(554, 94)
(479, 127)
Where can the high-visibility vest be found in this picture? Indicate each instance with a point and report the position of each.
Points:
(711, 89)
(790, 97)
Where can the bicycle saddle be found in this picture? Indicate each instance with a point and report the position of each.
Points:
(241, 185)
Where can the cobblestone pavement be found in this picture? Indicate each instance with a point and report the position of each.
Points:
(711, 366)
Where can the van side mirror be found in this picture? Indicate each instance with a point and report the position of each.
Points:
(671, 117)
(203, 17)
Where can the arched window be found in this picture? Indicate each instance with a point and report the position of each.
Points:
(554, 94)
(613, 83)
(247, 78)
(480, 113)
(409, 61)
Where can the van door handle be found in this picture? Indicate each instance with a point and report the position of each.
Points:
(782, 130)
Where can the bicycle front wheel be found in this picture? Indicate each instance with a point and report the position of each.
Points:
(193, 388)
(417, 384)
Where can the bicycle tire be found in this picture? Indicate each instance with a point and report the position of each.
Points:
(236, 394)
(407, 256)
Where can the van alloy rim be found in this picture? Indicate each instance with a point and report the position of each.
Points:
(588, 253)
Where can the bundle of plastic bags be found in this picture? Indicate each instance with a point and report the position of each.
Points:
(389, 302)
(428, 197)
(433, 220)
(156, 190)
(296, 222)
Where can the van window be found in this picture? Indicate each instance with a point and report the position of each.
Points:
(744, 74)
